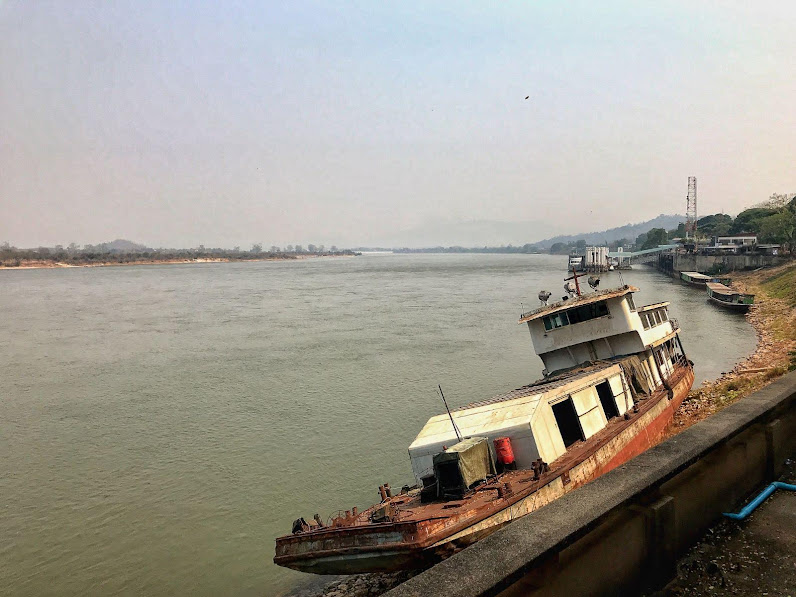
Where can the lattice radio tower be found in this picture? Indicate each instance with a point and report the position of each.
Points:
(691, 210)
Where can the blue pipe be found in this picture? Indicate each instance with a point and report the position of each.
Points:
(747, 510)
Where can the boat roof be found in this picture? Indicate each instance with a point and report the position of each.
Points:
(512, 408)
(697, 276)
(722, 289)
(584, 299)
(652, 306)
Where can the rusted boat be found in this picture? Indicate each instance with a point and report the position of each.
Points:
(614, 375)
(729, 298)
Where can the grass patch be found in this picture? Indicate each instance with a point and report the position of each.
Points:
(782, 286)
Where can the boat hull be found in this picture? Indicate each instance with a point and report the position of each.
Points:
(404, 545)
(737, 307)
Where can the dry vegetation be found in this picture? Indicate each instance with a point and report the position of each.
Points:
(774, 319)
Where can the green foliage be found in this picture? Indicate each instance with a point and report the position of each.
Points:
(559, 249)
(782, 286)
(655, 237)
(778, 228)
(715, 225)
(749, 220)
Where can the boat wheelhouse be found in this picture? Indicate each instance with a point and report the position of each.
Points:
(614, 375)
(697, 279)
(729, 298)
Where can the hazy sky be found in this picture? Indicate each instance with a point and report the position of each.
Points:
(179, 123)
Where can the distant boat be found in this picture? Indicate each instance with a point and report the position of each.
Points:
(729, 298)
(697, 279)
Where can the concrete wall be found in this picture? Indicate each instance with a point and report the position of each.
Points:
(624, 531)
(728, 263)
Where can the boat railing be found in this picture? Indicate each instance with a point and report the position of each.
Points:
(675, 324)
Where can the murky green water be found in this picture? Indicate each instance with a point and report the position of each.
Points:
(160, 425)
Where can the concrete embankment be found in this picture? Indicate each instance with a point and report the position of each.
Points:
(624, 531)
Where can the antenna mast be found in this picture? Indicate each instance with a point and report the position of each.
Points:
(691, 211)
(455, 428)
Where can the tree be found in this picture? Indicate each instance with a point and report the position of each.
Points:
(299, 249)
(715, 225)
(312, 248)
(749, 220)
(640, 240)
(778, 229)
(333, 249)
(275, 249)
(655, 237)
(581, 244)
(559, 248)
(257, 248)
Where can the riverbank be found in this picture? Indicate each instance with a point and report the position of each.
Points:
(773, 318)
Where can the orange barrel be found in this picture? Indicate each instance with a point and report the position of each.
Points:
(505, 454)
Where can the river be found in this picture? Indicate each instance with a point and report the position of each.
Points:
(161, 425)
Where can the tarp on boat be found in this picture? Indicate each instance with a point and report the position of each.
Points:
(461, 466)
(637, 375)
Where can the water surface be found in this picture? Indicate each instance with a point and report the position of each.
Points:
(161, 425)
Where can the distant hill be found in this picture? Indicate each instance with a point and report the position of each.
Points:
(629, 231)
(463, 233)
(121, 245)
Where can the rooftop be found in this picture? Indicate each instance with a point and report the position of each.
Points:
(512, 408)
(577, 301)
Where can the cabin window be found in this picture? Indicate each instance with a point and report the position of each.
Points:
(568, 423)
(645, 320)
(576, 315)
(556, 321)
(607, 400)
(587, 312)
(630, 302)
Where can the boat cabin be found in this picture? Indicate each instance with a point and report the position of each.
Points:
(541, 421)
(697, 279)
(598, 326)
(727, 297)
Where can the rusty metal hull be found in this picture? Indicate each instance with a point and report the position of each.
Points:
(422, 534)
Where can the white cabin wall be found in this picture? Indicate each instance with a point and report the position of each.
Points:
(624, 344)
(617, 322)
(567, 346)
(618, 390)
(545, 430)
(523, 444)
(590, 411)
(557, 360)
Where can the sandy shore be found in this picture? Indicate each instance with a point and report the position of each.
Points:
(59, 265)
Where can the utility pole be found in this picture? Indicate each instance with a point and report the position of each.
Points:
(691, 211)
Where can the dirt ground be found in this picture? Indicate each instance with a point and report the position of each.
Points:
(756, 556)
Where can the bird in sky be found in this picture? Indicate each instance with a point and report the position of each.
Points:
(527, 96)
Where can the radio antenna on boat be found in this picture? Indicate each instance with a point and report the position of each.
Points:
(574, 276)
(445, 402)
